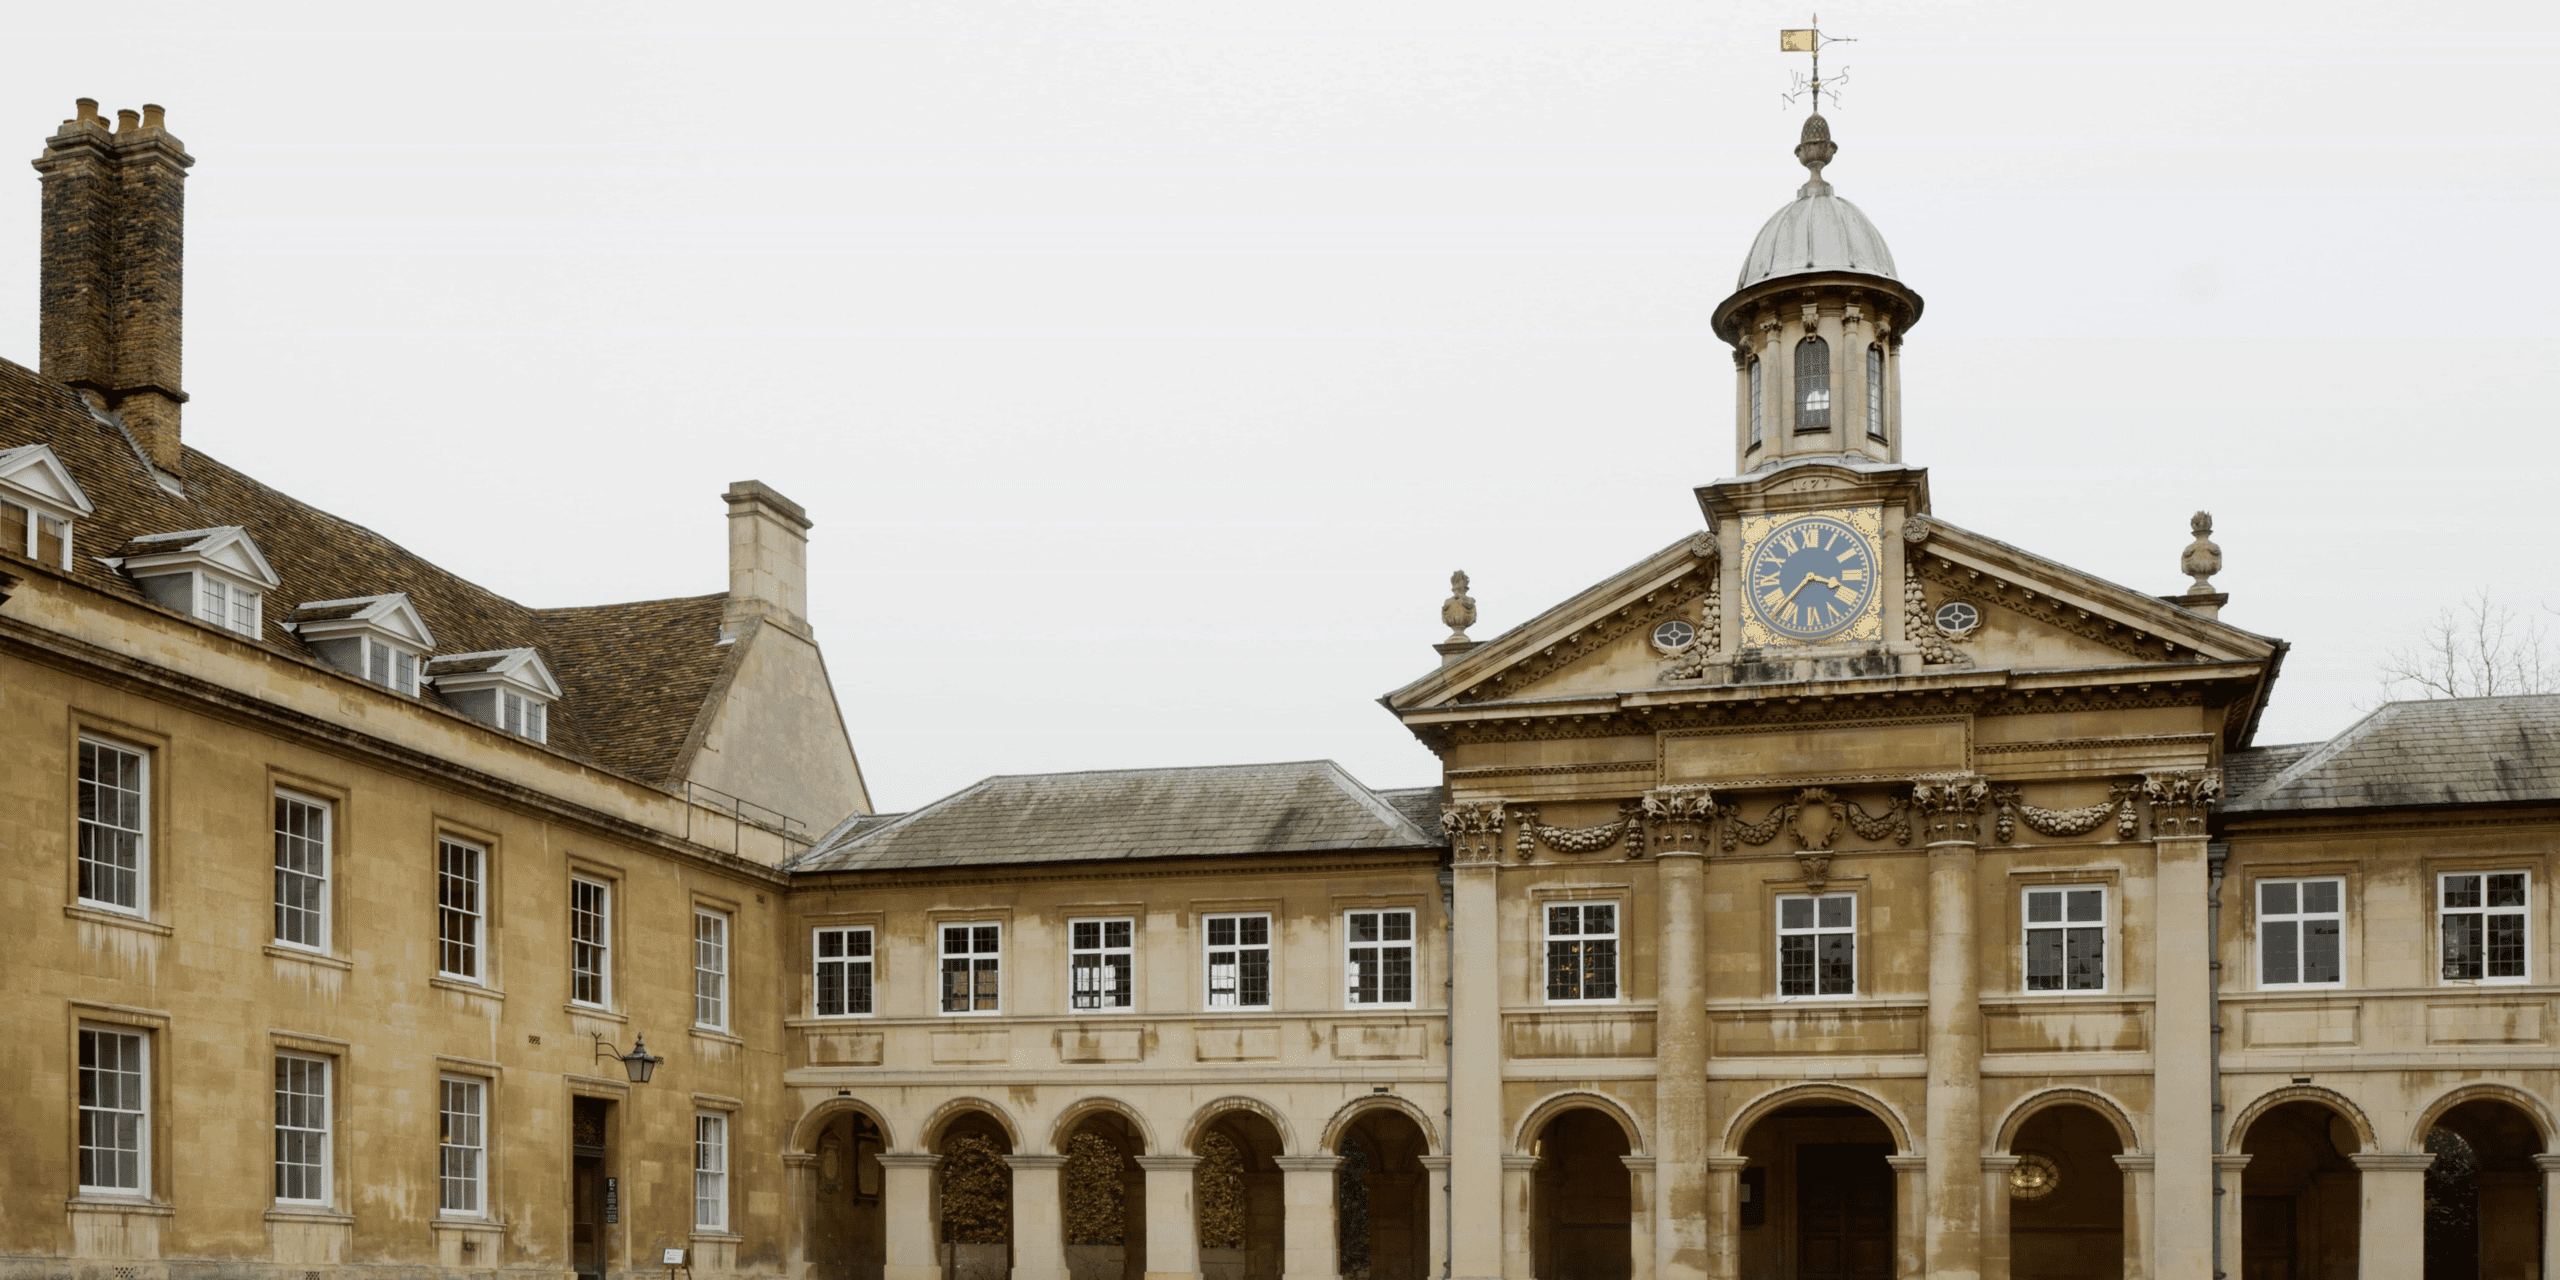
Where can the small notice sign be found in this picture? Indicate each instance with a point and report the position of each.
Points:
(674, 1258)
(612, 1200)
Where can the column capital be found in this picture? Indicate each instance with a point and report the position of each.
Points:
(1520, 1163)
(908, 1159)
(2392, 1161)
(1475, 833)
(2231, 1163)
(1950, 805)
(1308, 1164)
(2178, 801)
(1719, 1164)
(1908, 1164)
(1643, 1164)
(1168, 1164)
(1028, 1160)
(2547, 1163)
(2001, 1163)
(2139, 1162)
(1436, 1164)
(798, 1160)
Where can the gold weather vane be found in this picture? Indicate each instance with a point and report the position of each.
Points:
(1810, 40)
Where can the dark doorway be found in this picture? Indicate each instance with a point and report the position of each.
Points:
(1582, 1200)
(2484, 1193)
(2302, 1201)
(1844, 1211)
(590, 1252)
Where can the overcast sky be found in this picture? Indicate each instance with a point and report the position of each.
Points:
(1148, 366)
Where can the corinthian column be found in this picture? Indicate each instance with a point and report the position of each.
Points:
(1677, 820)
(1475, 1042)
(2182, 1069)
(1951, 804)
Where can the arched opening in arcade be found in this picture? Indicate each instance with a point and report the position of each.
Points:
(1102, 1199)
(2484, 1192)
(1238, 1198)
(2066, 1196)
(1382, 1199)
(1581, 1198)
(973, 1198)
(2301, 1198)
(1817, 1195)
(847, 1231)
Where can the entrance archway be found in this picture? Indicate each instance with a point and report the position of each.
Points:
(2066, 1197)
(847, 1232)
(2301, 1199)
(1102, 1198)
(1382, 1198)
(2484, 1192)
(974, 1198)
(1581, 1201)
(1237, 1196)
(1817, 1196)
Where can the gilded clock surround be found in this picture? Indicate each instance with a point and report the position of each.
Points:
(1864, 621)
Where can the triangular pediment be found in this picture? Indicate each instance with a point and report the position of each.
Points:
(2021, 613)
(392, 617)
(224, 549)
(32, 474)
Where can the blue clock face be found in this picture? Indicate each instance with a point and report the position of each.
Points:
(1811, 578)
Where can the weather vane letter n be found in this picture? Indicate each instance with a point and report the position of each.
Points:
(1810, 40)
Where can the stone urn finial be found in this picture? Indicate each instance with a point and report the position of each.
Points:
(2202, 558)
(1459, 612)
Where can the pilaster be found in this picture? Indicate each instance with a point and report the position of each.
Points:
(1911, 1216)
(2226, 1208)
(1677, 821)
(1724, 1228)
(906, 1207)
(1435, 1173)
(1173, 1223)
(1519, 1174)
(1640, 1261)
(2391, 1237)
(2550, 1167)
(1310, 1249)
(800, 1200)
(1995, 1215)
(1476, 1190)
(2137, 1215)
(2183, 1122)
(1039, 1225)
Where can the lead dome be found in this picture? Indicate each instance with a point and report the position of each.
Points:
(1818, 231)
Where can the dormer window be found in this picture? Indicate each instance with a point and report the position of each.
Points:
(509, 689)
(213, 575)
(38, 501)
(377, 638)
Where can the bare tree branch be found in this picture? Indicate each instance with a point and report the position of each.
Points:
(2479, 649)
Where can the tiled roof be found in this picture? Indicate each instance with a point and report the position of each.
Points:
(627, 671)
(2449, 751)
(1306, 807)
(2245, 771)
(1420, 805)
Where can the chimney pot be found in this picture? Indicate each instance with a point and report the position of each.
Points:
(153, 114)
(127, 120)
(88, 110)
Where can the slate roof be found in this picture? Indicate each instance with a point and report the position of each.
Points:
(1420, 805)
(1310, 806)
(633, 676)
(2245, 771)
(2442, 752)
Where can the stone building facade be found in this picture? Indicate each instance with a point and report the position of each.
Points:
(1833, 892)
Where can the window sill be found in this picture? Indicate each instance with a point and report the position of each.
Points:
(466, 987)
(594, 1011)
(120, 919)
(309, 1213)
(321, 958)
(466, 1224)
(93, 1202)
(716, 1035)
(716, 1237)
(799, 1021)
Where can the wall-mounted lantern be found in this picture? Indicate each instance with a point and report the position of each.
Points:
(639, 1064)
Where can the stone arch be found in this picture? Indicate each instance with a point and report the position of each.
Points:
(2028, 1106)
(2329, 1098)
(1209, 1113)
(813, 1124)
(929, 1134)
(1354, 1109)
(1077, 1111)
(1777, 1099)
(1556, 1104)
(2477, 1091)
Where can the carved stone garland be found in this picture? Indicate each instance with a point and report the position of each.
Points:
(1629, 828)
(1692, 663)
(2063, 822)
(1813, 817)
(1916, 624)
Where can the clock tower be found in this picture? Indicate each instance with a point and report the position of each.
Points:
(1810, 528)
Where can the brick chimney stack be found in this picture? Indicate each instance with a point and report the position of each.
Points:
(114, 247)
(768, 559)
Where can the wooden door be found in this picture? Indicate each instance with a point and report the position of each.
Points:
(1844, 1211)
(586, 1217)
